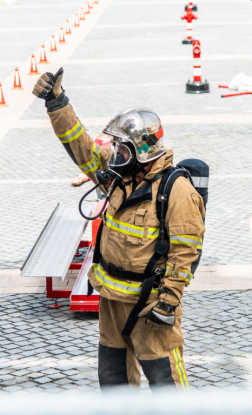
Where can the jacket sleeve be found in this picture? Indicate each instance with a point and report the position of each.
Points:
(85, 153)
(184, 221)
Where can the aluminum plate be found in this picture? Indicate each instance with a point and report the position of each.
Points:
(81, 284)
(53, 252)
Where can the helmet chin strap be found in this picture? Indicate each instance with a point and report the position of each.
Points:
(140, 168)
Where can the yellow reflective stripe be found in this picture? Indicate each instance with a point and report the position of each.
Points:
(69, 131)
(124, 227)
(185, 275)
(122, 283)
(128, 229)
(72, 134)
(153, 233)
(117, 285)
(78, 134)
(94, 163)
(167, 270)
(180, 369)
(187, 240)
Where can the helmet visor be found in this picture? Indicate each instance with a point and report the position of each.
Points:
(120, 154)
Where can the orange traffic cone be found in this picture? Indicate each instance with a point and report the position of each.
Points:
(43, 58)
(87, 8)
(17, 80)
(2, 101)
(96, 2)
(76, 20)
(53, 45)
(82, 14)
(91, 4)
(68, 28)
(62, 36)
(34, 69)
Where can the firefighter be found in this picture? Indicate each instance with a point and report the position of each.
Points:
(140, 315)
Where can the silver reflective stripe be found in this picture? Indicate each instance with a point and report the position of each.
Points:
(186, 275)
(186, 240)
(73, 134)
(166, 319)
(122, 227)
(200, 181)
(115, 285)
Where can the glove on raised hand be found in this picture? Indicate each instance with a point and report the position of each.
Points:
(159, 315)
(48, 87)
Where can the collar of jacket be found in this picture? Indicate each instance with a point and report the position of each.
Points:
(162, 163)
(143, 191)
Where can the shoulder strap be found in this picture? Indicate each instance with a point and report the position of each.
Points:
(164, 191)
(167, 174)
(97, 252)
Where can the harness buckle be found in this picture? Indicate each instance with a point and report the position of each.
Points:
(159, 273)
(162, 198)
(110, 269)
(115, 271)
(119, 273)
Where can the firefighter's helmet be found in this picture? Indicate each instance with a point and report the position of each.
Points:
(142, 127)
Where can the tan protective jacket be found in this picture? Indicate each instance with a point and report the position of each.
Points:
(129, 236)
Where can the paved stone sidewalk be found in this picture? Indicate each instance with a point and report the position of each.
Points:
(40, 167)
(56, 350)
(53, 351)
(228, 238)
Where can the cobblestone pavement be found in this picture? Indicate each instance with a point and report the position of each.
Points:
(56, 350)
(41, 169)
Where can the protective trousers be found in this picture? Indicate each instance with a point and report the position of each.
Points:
(120, 358)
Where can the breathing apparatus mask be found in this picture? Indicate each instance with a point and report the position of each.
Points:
(121, 162)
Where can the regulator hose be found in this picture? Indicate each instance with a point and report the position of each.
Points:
(105, 202)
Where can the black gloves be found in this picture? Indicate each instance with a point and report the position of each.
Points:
(48, 87)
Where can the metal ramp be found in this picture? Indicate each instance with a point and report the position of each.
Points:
(55, 247)
(54, 250)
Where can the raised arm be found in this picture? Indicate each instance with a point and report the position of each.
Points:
(85, 153)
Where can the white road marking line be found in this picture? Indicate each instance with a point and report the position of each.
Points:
(166, 119)
(174, 58)
(129, 85)
(34, 181)
(139, 59)
(20, 101)
(88, 184)
(41, 181)
(123, 3)
(27, 29)
(40, 6)
(218, 108)
(174, 24)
